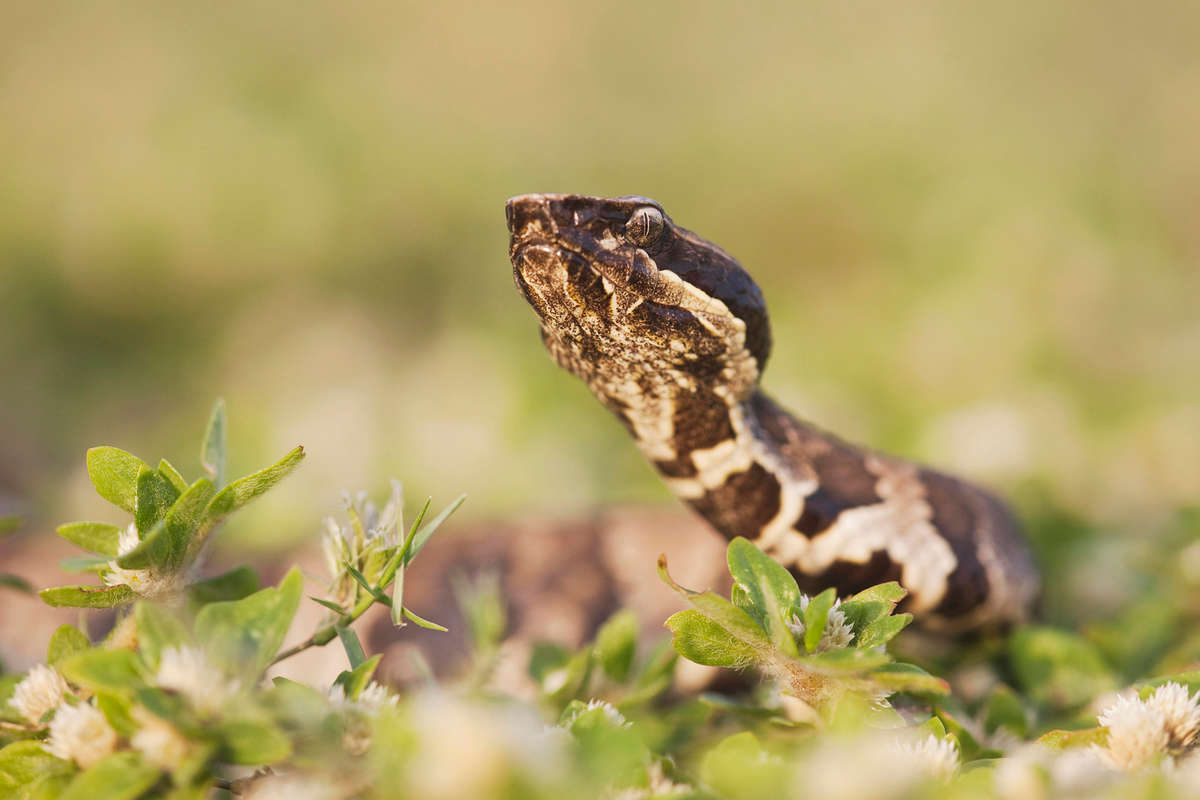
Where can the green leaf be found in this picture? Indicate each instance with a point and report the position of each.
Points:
(114, 473)
(332, 606)
(65, 641)
(9, 524)
(212, 452)
(158, 629)
(104, 670)
(244, 635)
(1057, 668)
(871, 605)
(155, 495)
(616, 643)
(725, 614)
(1061, 740)
(846, 660)
(87, 596)
(909, 678)
(700, 639)
(28, 772)
(422, 622)
(119, 713)
(15, 582)
(96, 537)
(172, 475)
(95, 564)
(235, 584)
(243, 490)
(355, 680)
(740, 768)
(184, 517)
(423, 535)
(1004, 709)
(758, 575)
(165, 545)
(351, 644)
(816, 616)
(253, 742)
(121, 776)
(882, 630)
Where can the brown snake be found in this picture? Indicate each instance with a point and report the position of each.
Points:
(671, 334)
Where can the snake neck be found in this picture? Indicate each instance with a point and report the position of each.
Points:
(837, 514)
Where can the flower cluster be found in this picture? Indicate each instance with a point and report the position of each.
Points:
(837, 633)
(1140, 731)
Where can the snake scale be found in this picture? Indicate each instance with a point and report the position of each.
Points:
(671, 334)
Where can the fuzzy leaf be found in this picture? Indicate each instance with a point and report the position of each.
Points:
(95, 564)
(244, 635)
(846, 660)
(235, 584)
(700, 639)
(87, 596)
(65, 641)
(882, 630)
(9, 524)
(158, 629)
(253, 742)
(721, 612)
(155, 494)
(121, 776)
(154, 550)
(243, 490)
(95, 537)
(616, 642)
(1061, 740)
(1058, 668)
(28, 772)
(909, 678)
(168, 471)
(212, 452)
(355, 680)
(758, 574)
(114, 473)
(1004, 709)
(118, 711)
(104, 670)
(816, 616)
(184, 517)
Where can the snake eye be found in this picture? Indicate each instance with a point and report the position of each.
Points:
(644, 226)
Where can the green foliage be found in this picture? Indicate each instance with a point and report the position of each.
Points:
(770, 625)
(173, 703)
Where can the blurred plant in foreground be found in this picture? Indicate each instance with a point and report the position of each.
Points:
(175, 702)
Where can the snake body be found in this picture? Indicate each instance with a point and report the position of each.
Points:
(671, 334)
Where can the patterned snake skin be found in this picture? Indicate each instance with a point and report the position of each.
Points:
(671, 334)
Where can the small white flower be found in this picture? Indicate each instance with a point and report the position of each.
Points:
(375, 696)
(144, 582)
(81, 734)
(188, 671)
(935, 757)
(158, 740)
(837, 633)
(1181, 714)
(1137, 733)
(42, 690)
(1165, 723)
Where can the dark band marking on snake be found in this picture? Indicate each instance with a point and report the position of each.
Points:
(671, 334)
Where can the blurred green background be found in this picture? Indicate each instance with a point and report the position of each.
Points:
(977, 227)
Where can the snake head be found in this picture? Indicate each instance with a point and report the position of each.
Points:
(633, 304)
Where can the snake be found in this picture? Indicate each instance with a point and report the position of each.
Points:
(671, 334)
